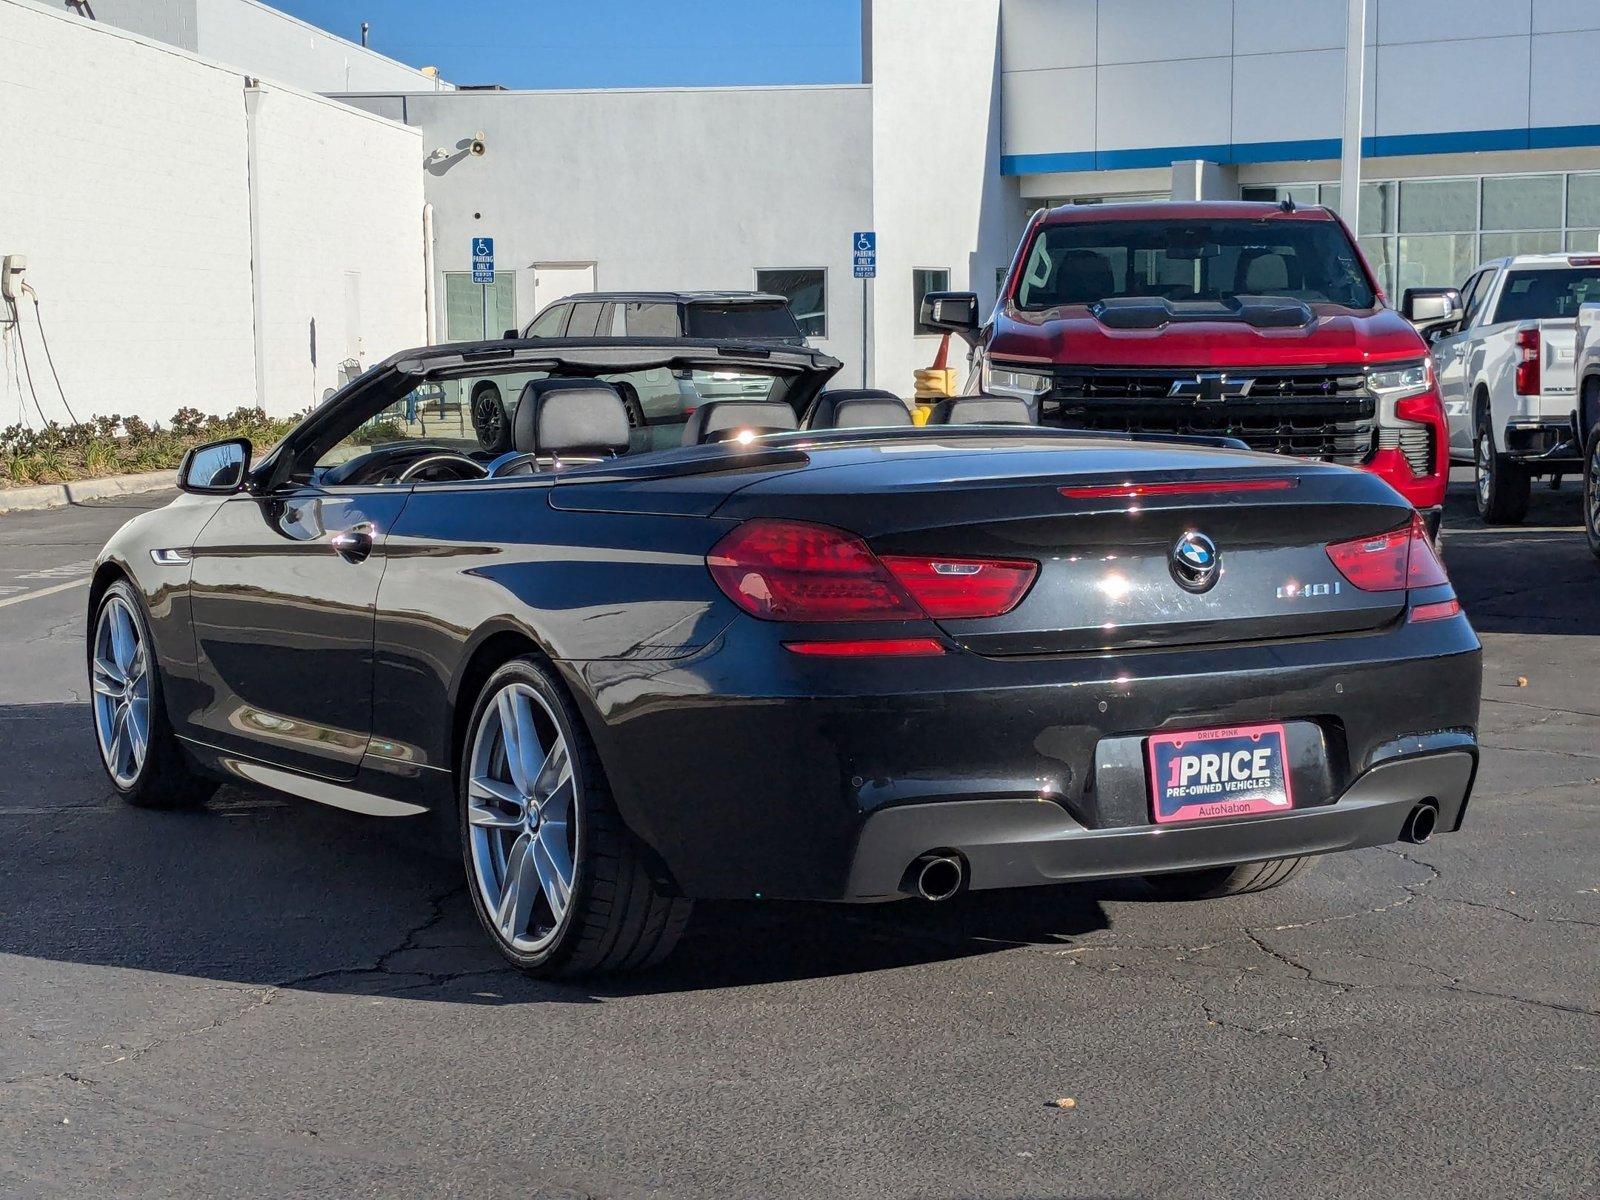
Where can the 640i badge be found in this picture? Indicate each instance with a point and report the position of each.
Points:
(1208, 773)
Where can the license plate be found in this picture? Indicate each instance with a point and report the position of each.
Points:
(1203, 774)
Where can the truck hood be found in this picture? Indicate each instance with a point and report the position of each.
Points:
(1072, 336)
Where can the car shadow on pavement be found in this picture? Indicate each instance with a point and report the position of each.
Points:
(267, 890)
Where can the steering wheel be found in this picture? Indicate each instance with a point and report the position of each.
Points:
(442, 466)
(403, 463)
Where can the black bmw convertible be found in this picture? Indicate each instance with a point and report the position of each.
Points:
(710, 630)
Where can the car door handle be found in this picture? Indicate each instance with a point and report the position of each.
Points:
(352, 545)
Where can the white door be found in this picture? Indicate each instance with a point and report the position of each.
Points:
(551, 281)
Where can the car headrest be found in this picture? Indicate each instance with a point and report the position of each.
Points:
(717, 419)
(1268, 274)
(857, 409)
(982, 410)
(570, 416)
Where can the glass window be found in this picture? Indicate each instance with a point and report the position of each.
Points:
(1584, 240)
(475, 312)
(1497, 245)
(923, 281)
(551, 322)
(1304, 195)
(1438, 205)
(1378, 204)
(767, 321)
(1583, 199)
(585, 320)
(1084, 262)
(650, 319)
(1473, 296)
(1434, 260)
(806, 289)
(1549, 294)
(1522, 202)
(1380, 257)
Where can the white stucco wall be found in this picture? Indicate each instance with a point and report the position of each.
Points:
(673, 189)
(340, 208)
(939, 199)
(274, 45)
(126, 186)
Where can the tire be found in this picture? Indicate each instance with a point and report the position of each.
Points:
(489, 419)
(1503, 486)
(1227, 881)
(619, 912)
(1591, 491)
(128, 682)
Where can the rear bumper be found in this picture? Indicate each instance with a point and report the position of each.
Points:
(1549, 443)
(752, 772)
(1016, 843)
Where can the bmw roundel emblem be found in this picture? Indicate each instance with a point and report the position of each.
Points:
(1196, 562)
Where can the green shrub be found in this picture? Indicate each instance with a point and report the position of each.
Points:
(114, 445)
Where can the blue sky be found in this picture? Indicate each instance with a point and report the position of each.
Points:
(607, 43)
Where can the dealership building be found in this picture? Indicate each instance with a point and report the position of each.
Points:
(353, 233)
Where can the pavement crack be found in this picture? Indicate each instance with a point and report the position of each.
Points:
(437, 909)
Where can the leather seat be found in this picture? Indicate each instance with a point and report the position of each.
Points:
(562, 421)
(864, 408)
(982, 410)
(718, 420)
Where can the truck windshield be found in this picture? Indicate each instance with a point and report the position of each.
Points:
(1083, 262)
(1537, 295)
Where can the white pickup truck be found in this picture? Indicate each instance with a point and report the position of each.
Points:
(1503, 353)
(1586, 368)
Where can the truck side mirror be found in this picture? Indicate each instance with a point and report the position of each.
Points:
(511, 335)
(1432, 310)
(953, 311)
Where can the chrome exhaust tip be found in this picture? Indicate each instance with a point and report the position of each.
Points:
(937, 876)
(1420, 824)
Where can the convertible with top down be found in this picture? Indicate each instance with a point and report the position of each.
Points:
(785, 645)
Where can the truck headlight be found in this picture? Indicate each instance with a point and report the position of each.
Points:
(1000, 380)
(1401, 381)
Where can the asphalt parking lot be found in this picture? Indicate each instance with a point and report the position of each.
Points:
(264, 997)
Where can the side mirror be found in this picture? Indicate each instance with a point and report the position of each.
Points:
(1432, 309)
(954, 311)
(216, 469)
(511, 335)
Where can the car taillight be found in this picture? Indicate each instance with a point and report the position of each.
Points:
(1527, 383)
(796, 571)
(1390, 562)
(957, 588)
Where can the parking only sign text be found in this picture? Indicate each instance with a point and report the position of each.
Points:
(865, 248)
(483, 260)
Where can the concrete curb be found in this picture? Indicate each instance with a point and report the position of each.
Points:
(54, 495)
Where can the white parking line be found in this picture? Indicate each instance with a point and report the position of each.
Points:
(49, 591)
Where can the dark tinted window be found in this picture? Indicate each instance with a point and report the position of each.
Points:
(761, 321)
(1536, 295)
(1081, 263)
(651, 320)
(806, 290)
(550, 322)
(585, 320)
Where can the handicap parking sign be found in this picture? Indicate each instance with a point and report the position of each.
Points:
(483, 260)
(864, 248)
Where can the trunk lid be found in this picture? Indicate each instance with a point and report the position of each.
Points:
(1107, 579)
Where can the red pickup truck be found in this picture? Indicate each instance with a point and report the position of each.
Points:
(1261, 322)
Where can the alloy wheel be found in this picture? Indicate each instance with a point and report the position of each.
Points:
(1485, 467)
(522, 818)
(1592, 489)
(121, 682)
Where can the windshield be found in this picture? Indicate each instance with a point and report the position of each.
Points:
(1538, 295)
(1081, 263)
(761, 321)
